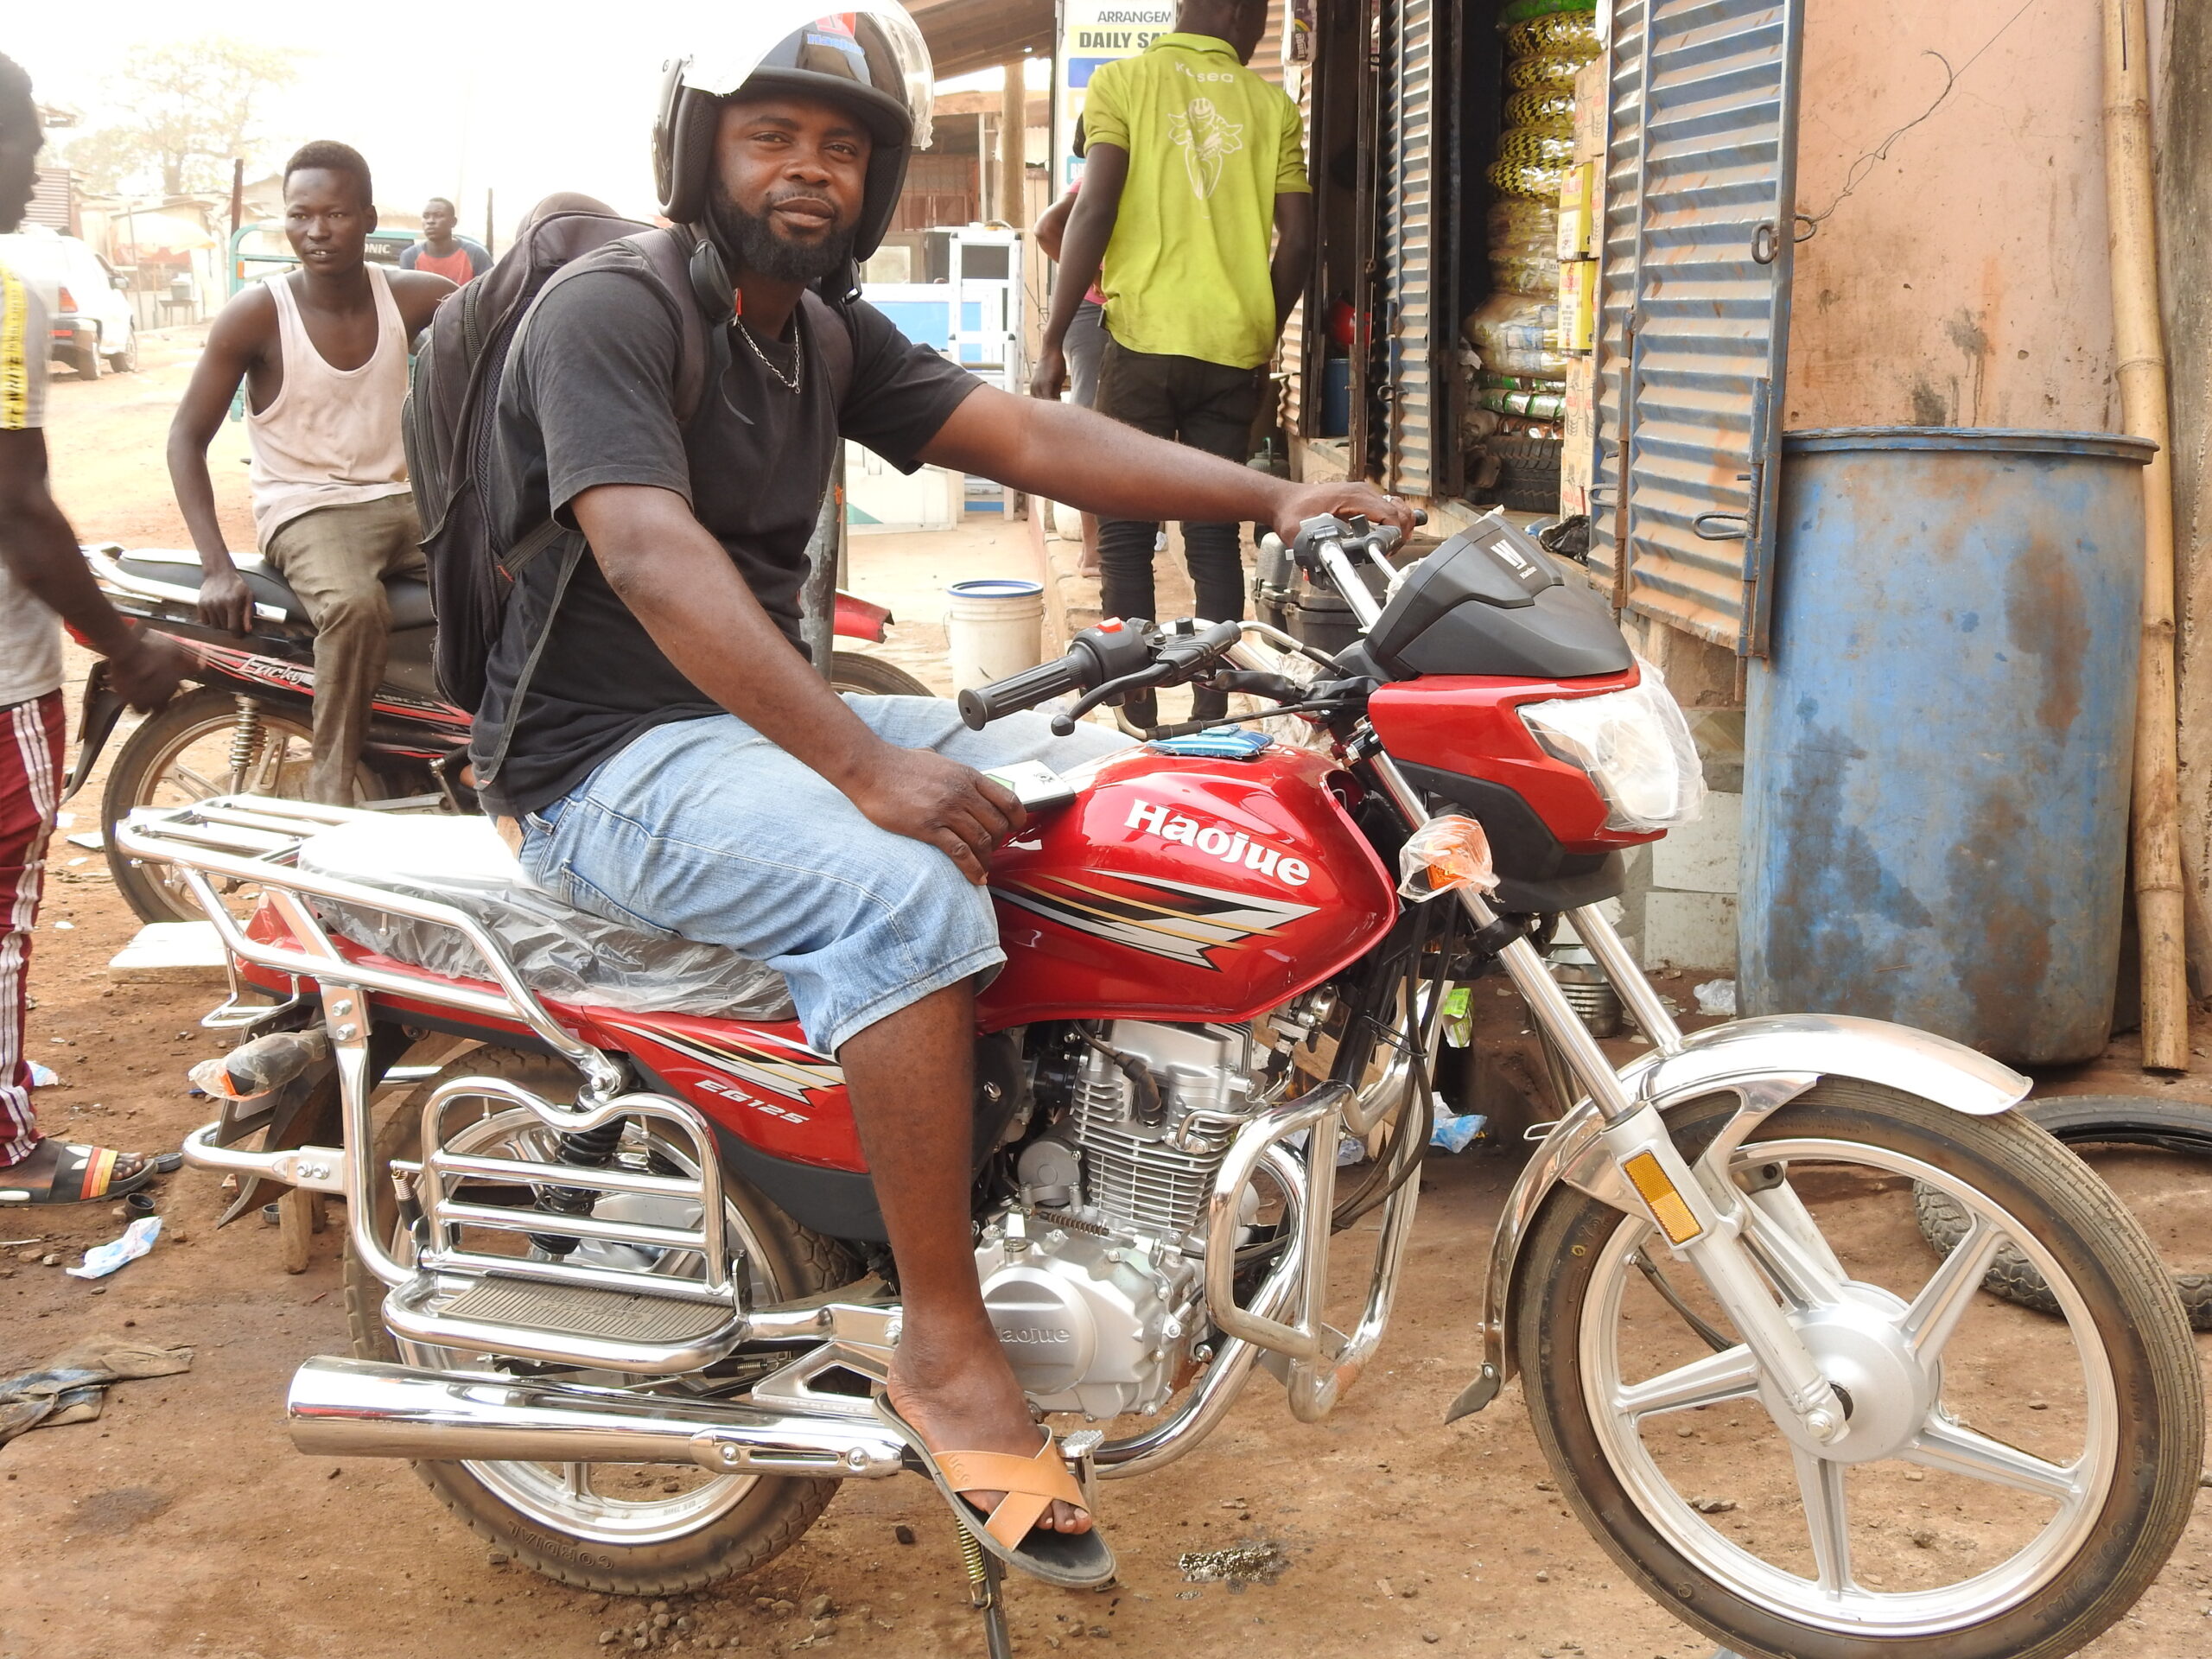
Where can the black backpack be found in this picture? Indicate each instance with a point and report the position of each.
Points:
(449, 420)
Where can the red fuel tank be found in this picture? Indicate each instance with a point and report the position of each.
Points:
(1180, 888)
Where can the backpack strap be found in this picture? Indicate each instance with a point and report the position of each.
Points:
(833, 343)
(668, 253)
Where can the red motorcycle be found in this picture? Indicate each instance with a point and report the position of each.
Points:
(616, 1277)
(247, 727)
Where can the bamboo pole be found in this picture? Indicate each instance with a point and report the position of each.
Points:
(2139, 333)
(1013, 149)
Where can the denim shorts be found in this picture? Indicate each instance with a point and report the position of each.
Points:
(704, 829)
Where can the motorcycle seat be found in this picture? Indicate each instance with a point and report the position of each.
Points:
(570, 955)
(180, 568)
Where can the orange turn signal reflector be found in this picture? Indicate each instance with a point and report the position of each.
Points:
(1659, 1195)
(1444, 855)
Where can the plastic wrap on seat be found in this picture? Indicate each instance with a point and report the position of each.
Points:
(559, 951)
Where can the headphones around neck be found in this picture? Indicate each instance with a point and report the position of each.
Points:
(716, 290)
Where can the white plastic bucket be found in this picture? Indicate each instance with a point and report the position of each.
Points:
(995, 627)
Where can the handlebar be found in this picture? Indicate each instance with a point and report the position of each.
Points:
(1107, 661)
(1113, 649)
(979, 706)
(1118, 656)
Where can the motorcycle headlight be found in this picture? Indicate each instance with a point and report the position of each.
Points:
(1635, 745)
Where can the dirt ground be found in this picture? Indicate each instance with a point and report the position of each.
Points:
(181, 1522)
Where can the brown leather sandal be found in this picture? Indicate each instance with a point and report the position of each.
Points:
(1074, 1561)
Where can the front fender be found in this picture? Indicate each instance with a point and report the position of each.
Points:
(1790, 1051)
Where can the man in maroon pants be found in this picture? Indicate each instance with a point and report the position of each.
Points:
(42, 577)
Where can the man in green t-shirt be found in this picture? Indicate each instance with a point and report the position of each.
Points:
(1196, 221)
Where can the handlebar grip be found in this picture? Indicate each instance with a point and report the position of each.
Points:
(985, 703)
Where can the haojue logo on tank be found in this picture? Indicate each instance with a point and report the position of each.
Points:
(1229, 846)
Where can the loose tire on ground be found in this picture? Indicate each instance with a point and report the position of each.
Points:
(2176, 1126)
(766, 1521)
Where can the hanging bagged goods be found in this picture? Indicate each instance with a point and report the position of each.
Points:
(1542, 108)
(1531, 164)
(1562, 35)
(1520, 11)
(1523, 243)
(1533, 405)
(1518, 334)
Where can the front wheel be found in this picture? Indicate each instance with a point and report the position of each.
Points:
(2007, 1485)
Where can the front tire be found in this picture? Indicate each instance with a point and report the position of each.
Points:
(614, 1530)
(1731, 1554)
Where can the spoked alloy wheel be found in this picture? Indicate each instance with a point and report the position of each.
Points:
(2007, 1485)
(633, 1529)
(191, 750)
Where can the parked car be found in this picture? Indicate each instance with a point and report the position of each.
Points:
(92, 325)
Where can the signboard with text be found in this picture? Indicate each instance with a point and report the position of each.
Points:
(1094, 33)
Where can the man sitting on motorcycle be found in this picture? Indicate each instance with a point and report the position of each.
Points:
(322, 352)
(673, 760)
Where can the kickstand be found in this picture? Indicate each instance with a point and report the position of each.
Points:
(987, 1593)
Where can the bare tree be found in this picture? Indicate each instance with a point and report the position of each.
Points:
(188, 106)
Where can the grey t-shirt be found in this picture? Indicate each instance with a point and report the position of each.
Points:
(589, 399)
(30, 634)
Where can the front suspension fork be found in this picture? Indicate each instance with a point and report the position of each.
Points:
(1702, 1227)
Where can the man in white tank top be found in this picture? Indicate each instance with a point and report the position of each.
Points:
(323, 352)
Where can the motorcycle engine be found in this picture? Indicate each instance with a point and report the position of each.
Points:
(1094, 1280)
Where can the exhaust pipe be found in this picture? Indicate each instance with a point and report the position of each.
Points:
(357, 1409)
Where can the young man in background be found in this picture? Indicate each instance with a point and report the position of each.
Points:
(322, 351)
(1195, 222)
(43, 582)
(440, 252)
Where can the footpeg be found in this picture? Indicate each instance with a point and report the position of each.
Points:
(626, 1328)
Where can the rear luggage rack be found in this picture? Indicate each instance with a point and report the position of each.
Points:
(678, 1312)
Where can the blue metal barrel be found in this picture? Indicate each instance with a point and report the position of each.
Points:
(1938, 752)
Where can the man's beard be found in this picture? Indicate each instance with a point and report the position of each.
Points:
(753, 243)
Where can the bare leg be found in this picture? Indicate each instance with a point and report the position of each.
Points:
(911, 1077)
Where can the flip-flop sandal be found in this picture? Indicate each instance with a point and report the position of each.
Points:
(1073, 1560)
(83, 1175)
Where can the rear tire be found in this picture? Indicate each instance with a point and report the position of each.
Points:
(89, 363)
(761, 1524)
(856, 671)
(2072, 1584)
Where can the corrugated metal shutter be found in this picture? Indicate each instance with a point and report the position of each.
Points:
(50, 200)
(1701, 185)
(1409, 246)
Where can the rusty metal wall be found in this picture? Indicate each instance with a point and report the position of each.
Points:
(1698, 258)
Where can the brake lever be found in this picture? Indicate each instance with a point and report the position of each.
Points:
(1063, 723)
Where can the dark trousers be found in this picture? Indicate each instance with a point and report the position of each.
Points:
(1203, 405)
